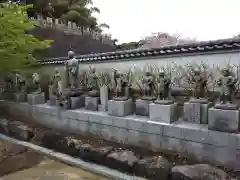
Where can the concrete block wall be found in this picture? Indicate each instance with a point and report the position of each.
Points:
(217, 147)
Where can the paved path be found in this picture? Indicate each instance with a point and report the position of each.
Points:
(51, 170)
(37, 167)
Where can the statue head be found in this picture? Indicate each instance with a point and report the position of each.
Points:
(225, 72)
(71, 54)
(197, 72)
(56, 70)
(92, 70)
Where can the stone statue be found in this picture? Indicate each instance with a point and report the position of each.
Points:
(36, 83)
(227, 86)
(56, 84)
(163, 89)
(121, 86)
(148, 86)
(72, 71)
(93, 83)
(200, 84)
(20, 83)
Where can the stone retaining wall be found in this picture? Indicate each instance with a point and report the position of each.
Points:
(217, 147)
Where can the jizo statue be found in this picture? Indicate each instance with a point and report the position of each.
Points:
(93, 83)
(199, 84)
(36, 82)
(163, 87)
(72, 71)
(227, 86)
(121, 86)
(56, 84)
(148, 86)
(20, 83)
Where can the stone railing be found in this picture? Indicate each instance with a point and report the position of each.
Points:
(72, 28)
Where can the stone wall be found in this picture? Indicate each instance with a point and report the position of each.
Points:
(217, 147)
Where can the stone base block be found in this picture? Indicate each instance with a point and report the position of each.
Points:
(223, 120)
(52, 100)
(142, 107)
(34, 99)
(77, 102)
(7, 95)
(120, 108)
(20, 97)
(166, 113)
(91, 103)
(102, 107)
(196, 112)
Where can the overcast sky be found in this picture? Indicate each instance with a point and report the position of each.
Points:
(131, 20)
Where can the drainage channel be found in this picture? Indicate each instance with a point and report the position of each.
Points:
(96, 169)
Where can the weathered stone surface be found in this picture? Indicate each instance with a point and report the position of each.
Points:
(223, 120)
(51, 139)
(20, 97)
(99, 154)
(198, 172)
(8, 95)
(20, 131)
(142, 107)
(4, 126)
(86, 151)
(69, 145)
(153, 168)
(102, 107)
(163, 113)
(104, 96)
(120, 108)
(91, 103)
(34, 99)
(123, 160)
(192, 112)
(77, 102)
(196, 111)
(52, 100)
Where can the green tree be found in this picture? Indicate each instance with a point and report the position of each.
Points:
(16, 46)
(78, 11)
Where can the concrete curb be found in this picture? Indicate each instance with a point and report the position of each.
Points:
(97, 169)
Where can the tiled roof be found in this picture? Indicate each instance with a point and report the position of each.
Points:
(207, 46)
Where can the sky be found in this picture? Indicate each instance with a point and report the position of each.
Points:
(132, 20)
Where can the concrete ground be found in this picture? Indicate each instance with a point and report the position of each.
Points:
(17, 162)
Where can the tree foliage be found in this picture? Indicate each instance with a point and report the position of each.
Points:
(16, 46)
(78, 11)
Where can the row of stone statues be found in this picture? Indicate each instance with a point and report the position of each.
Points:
(161, 87)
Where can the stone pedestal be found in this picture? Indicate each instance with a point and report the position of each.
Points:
(52, 100)
(224, 120)
(91, 103)
(196, 111)
(120, 108)
(102, 107)
(142, 107)
(77, 102)
(20, 97)
(166, 113)
(103, 98)
(8, 95)
(34, 99)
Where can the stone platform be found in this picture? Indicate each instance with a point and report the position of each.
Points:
(217, 147)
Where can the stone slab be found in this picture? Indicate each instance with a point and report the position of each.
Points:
(77, 102)
(7, 95)
(102, 107)
(196, 112)
(20, 97)
(120, 108)
(52, 100)
(35, 99)
(142, 107)
(91, 103)
(223, 120)
(163, 113)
